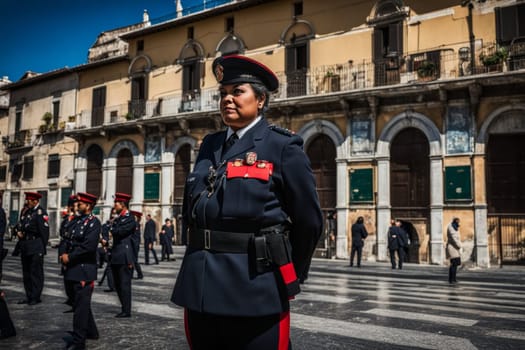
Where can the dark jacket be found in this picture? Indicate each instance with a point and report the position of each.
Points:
(223, 283)
(35, 227)
(149, 232)
(397, 238)
(358, 234)
(82, 265)
(122, 229)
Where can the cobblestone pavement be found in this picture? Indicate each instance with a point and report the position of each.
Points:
(372, 307)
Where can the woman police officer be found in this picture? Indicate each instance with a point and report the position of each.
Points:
(253, 220)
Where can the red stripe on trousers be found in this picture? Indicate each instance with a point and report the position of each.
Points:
(284, 331)
(187, 327)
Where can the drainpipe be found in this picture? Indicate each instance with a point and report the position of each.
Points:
(472, 38)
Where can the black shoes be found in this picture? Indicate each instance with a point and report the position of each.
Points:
(123, 315)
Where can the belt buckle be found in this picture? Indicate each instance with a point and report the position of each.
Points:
(207, 239)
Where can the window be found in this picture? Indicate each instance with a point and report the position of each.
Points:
(3, 173)
(64, 198)
(230, 24)
(18, 117)
(28, 168)
(510, 23)
(140, 46)
(56, 113)
(53, 166)
(16, 167)
(298, 8)
(190, 32)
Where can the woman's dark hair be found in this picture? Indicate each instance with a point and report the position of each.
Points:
(360, 220)
(260, 90)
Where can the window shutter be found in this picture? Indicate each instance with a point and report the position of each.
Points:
(377, 44)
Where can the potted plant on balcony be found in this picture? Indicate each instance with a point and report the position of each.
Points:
(495, 61)
(426, 70)
(331, 82)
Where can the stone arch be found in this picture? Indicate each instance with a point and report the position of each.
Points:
(304, 29)
(404, 120)
(498, 117)
(315, 127)
(191, 49)
(132, 146)
(83, 151)
(140, 64)
(231, 44)
(181, 141)
(386, 7)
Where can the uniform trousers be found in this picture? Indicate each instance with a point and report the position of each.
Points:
(400, 256)
(122, 274)
(70, 292)
(146, 253)
(453, 269)
(359, 250)
(83, 321)
(208, 331)
(33, 276)
(7, 328)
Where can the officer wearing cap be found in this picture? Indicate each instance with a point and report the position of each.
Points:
(253, 219)
(80, 270)
(122, 229)
(135, 239)
(33, 236)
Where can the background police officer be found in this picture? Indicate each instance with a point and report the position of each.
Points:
(33, 236)
(80, 270)
(65, 241)
(135, 239)
(150, 238)
(122, 229)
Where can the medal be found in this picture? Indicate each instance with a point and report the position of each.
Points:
(251, 158)
(237, 162)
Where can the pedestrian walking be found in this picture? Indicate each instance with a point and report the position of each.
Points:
(135, 240)
(150, 230)
(33, 236)
(359, 235)
(166, 236)
(80, 270)
(122, 229)
(397, 241)
(253, 214)
(453, 249)
(331, 233)
(65, 242)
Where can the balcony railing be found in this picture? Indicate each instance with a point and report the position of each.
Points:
(413, 68)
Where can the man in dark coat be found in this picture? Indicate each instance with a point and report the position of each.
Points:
(359, 234)
(65, 241)
(122, 229)
(135, 239)
(33, 236)
(105, 243)
(80, 270)
(150, 238)
(166, 236)
(397, 241)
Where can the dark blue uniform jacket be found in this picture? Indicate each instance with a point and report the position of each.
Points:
(122, 230)
(36, 231)
(82, 265)
(222, 283)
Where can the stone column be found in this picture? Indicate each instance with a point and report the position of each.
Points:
(109, 184)
(137, 197)
(383, 206)
(167, 181)
(80, 174)
(342, 212)
(436, 210)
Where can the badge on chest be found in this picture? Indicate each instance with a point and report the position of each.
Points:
(250, 168)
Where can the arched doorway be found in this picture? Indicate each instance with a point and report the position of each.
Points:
(124, 178)
(95, 158)
(182, 169)
(505, 178)
(322, 153)
(410, 189)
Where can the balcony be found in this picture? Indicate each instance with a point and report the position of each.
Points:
(422, 67)
(19, 142)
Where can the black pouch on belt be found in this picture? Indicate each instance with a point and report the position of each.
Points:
(262, 261)
(280, 251)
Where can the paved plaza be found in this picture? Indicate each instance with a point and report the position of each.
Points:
(372, 307)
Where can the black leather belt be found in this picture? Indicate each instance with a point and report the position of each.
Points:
(221, 241)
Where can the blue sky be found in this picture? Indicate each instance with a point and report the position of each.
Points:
(44, 35)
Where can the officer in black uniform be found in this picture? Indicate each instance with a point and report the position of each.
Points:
(150, 239)
(122, 229)
(33, 236)
(107, 243)
(254, 220)
(65, 242)
(80, 270)
(135, 239)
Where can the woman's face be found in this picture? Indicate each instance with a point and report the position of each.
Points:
(239, 105)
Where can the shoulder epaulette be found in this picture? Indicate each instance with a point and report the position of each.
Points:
(280, 130)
